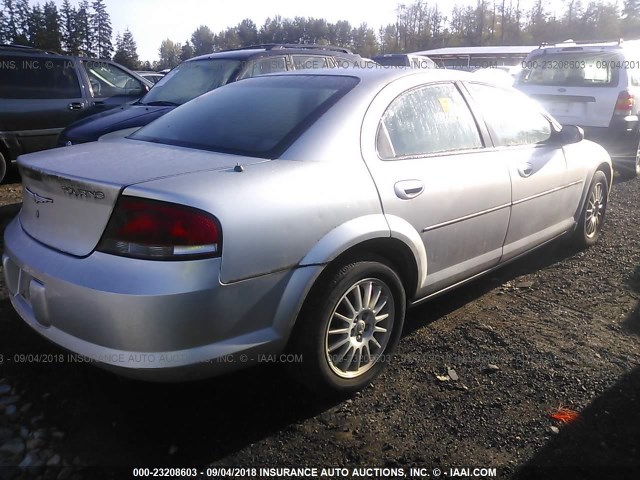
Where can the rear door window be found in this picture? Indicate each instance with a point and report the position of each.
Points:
(38, 78)
(302, 62)
(263, 66)
(427, 120)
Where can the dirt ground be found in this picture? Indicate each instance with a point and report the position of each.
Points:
(560, 328)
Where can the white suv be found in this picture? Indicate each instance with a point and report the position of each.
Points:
(595, 86)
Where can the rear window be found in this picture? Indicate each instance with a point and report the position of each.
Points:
(38, 78)
(257, 117)
(572, 69)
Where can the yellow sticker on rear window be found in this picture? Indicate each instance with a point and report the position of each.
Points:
(445, 104)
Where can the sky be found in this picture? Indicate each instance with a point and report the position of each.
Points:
(152, 21)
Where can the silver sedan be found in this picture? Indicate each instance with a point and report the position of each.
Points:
(296, 214)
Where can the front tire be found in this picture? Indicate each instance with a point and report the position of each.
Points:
(593, 212)
(350, 328)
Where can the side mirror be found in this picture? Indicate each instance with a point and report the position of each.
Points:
(135, 88)
(570, 134)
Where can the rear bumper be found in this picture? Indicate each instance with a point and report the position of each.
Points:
(151, 320)
(620, 138)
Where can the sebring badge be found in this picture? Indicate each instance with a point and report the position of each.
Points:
(37, 198)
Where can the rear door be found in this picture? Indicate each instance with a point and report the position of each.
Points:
(432, 170)
(577, 87)
(39, 97)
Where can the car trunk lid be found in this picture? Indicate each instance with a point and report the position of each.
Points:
(580, 106)
(69, 193)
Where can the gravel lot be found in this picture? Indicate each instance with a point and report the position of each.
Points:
(558, 329)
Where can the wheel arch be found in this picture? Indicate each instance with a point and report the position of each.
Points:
(391, 250)
(605, 168)
(371, 235)
(387, 236)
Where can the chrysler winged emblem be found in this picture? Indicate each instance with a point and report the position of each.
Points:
(37, 198)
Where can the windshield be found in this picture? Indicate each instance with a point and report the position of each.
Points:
(190, 80)
(258, 116)
(575, 69)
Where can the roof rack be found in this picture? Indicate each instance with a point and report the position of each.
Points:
(570, 41)
(301, 46)
(22, 48)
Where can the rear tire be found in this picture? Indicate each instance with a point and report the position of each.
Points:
(631, 170)
(593, 212)
(349, 329)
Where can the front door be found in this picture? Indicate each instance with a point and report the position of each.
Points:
(544, 194)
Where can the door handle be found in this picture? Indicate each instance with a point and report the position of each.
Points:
(76, 106)
(99, 104)
(408, 189)
(525, 170)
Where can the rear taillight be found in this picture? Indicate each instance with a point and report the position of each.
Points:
(624, 104)
(151, 229)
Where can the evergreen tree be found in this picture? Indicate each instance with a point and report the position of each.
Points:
(631, 8)
(10, 30)
(272, 31)
(21, 13)
(187, 51)
(70, 37)
(631, 18)
(35, 27)
(247, 32)
(169, 54)
(101, 27)
(83, 31)
(202, 40)
(365, 41)
(52, 38)
(4, 27)
(126, 50)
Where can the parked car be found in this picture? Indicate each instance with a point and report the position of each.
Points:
(594, 85)
(472, 58)
(42, 92)
(502, 75)
(404, 60)
(300, 212)
(153, 77)
(199, 75)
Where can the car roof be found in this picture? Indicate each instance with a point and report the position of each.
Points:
(569, 46)
(378, 75)
(277, 49)
(490, 50)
